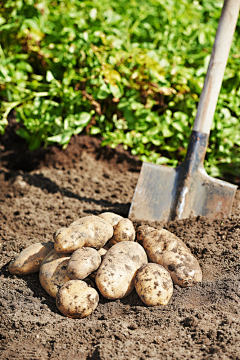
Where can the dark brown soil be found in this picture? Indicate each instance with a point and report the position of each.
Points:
(47, 189)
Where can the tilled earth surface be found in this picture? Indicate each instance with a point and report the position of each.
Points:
(48, 189)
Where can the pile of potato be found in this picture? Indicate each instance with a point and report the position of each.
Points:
(103, 254)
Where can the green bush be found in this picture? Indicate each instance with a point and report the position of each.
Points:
(131, 71)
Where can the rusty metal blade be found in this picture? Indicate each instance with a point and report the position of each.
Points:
(156, 192)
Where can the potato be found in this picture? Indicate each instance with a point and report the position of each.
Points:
(115, 276)
(75, 299)
(91, 231)
(153, 284)
(83, 262)
(67, 240)
(123, 231)
(157, 241)
(29, 260)
(53, 272)
(112, 218)
(183, 268)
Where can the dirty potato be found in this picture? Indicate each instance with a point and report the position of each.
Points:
(115, 276)
(75, 299)
(112, 218)
(29, 260)
(183, 268)
(53, 272)
(91, 231)
(153, 284)
(83, 262)
(123, 231)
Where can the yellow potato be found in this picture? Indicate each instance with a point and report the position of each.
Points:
(123, 231)
(112, 218)
(91, 231)
(75, 299)
(115, 276)
(153, 284)
(83, 262)
(183, 268)
(53, 272)
(29, 260)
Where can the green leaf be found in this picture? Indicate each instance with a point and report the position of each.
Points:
(83, 119)
(23, 133)
(61, 138)
(103, 92)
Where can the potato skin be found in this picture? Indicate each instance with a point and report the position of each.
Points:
(91, 231)
(83, 262)
(183, 268)
(115, 276)
(153, 284)
(29, 260)
(75, 299)
(53, 273)
(112, 218)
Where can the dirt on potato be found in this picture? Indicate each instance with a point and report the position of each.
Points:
(48, 189)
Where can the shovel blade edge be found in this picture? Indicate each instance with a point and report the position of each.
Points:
(155, 196)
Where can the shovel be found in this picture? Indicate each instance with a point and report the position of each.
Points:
(164, 193)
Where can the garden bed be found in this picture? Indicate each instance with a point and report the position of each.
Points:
(47, 189)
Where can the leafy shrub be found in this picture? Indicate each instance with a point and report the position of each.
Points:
(131, 71)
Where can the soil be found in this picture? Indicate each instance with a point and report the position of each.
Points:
(50, 188)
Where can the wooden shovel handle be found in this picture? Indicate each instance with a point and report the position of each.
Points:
(213, 81)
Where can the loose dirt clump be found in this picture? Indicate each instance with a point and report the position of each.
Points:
(48, 189)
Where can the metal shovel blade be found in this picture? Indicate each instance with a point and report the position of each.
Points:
(165, 194)
(156, 193)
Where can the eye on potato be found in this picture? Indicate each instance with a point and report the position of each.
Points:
(153, 284)
(29, 260)
(115, 276)
(91, 231)
(75, 299)
(112, 218)
(83, 262)
(53, 272)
